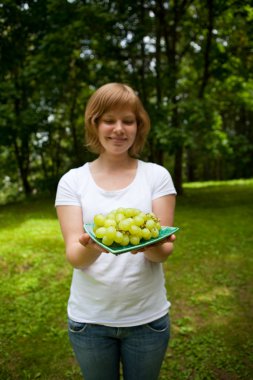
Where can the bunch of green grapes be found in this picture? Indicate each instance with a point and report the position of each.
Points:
(126, 226)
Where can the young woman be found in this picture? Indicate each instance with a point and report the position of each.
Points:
(117, 309)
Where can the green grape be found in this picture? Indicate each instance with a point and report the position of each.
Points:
(143, 215)
(107, 241)
(118, 237)
(119, 216)
(150, 223)
(135, 230)
(110, 232)
(138, 220)
(99, 220)
(100, 232)
(109, 222)
(154, 232)
(135, 211)
(134, 239)
(125, 224)
(158, 226)
(111, 215)
(146, 233)
(125, 240)
(128, 212)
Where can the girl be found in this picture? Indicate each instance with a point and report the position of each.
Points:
(117, 309)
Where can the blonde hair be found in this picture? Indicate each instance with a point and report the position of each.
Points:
(104, 99)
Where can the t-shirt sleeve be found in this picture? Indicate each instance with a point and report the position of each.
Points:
(162, 182)
(67, 190)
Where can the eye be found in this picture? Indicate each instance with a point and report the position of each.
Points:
(108, 121)
(129, 121)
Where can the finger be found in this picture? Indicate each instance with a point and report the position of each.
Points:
(97, 246)
(134, 252)
(84, 239)
(172, 238)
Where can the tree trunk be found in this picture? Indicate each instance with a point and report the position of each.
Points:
(158, 64)
(178, 178)
(206, 73)
(22, 152)
(23, 166)
(143, 58)
(171, 40)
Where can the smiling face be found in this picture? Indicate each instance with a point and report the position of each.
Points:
(109, 100)
(117, 130)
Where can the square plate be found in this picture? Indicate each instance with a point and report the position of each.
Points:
(117, 249)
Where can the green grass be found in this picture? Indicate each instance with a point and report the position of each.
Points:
(209, 282)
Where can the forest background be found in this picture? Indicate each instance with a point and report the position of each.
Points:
(191, 62)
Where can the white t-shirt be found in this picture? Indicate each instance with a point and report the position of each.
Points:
(124, 290)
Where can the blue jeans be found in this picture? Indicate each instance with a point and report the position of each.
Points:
(100, 349)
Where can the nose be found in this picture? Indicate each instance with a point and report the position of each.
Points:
(118, 127)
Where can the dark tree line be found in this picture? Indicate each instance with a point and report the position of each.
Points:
(191, 62)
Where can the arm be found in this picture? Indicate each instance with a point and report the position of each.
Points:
(163, 208)
(81, 251)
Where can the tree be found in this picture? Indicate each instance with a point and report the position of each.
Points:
(189, 60)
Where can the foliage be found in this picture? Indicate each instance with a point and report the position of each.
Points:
(208, 277)
(189, 60)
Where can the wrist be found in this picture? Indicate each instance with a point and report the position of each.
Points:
(80, 256)
(159, 253)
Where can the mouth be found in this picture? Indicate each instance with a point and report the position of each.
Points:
(117, 139)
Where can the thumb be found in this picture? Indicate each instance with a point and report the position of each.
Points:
(84, 239)
(171, 238)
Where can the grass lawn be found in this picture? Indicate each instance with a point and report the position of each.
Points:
(209, 281)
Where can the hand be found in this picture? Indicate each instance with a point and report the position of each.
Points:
(169, 239)
(86, 241)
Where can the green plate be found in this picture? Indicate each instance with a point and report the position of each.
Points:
(117, 249)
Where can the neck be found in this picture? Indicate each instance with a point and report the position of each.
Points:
(114, 162)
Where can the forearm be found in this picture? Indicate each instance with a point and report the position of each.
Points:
(81, 257)
(159, 253)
